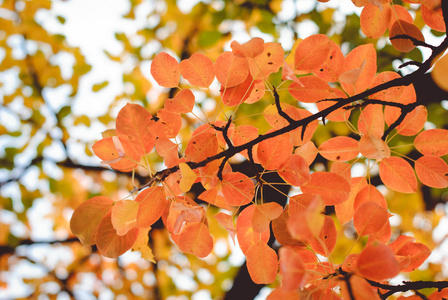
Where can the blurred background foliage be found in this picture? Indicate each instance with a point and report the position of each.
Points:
(52, 112)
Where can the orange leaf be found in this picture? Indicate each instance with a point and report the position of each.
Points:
(361, 289)
(332, 187)
(168, 150)
(244, 231)
(235, 95)
(312, 52)
(167, 125)
(124, 216)
(153, 203)
(308, 151)
(244, 134)
(373, 147)
(195, 238)
(312, 89)
(369, 193)
(401, 13)
(369, 218)
(87, 216)
(377, 262)
(182, 212)
(262, 263)
(432, 142)
(231, 70)
(272, 152)
(398, 175)
(339, 115)
(439, 71)
(238, 189)
(117, 152)
(281, 232)
(292, 269)
(432, 171)
(268, 62)
(345, 210)
(307, 224)
(182, 103)
(374, 20)
(109, 242)
(133, 122)
(342, 168)
(362, 58)
(264, 214)
(227, 222)
(257, 92)
(339, 148)
(417, 252)
(252, 48)
(325, 242)
(198, 70)
(371, 120)
(202, 145)
(413, 122)
(294, 170)
(215, 197)
(432, 15)
(401, 27)
(165, 70)
(331, 68)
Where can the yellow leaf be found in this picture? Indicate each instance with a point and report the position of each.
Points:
(439, 73)
(141, 244)
(188, 177)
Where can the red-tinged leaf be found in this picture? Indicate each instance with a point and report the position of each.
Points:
(272, 152)
(215, 197)
(390, 94)
(153, 203)
(312, 89)
(281, 232)
(432, 142)
(373, 147)
(231, 70)
(339, 148)
(171, 184)
(262, 263)
(325, 242)
(345, 210)
(252, 48)
(433, 16)
(377, 262)
(312, 52)
(369, 193)
(432, 171)
(195, 238)
(398, 175)
(264, 214)
(299, 203)
(168, 150)
(400, 13)
(417, 252)
(237, 188)
(182, 103)
(339, 115)
(109, 242)
(243, 134)
(227, 222)
(363, 58)
(294, 170)
(374, 20)
(268, 62)
(438, 295)
(401, 27)
(413, 122)
(308, 151)
(292, 269)
(235, 95)
(400, 242)
(363, 290)
(382, 236)
(307, 224)
(201, 146)
(165, 70)
(280, 293)
(333, 188)
(331, 68)
(87, 216)
(198, 70)
(369, 218)
(122, 158)
(342, 168)
(244, 231)
(371, 120)
(257, 92)
(182, 212)
(289, 74)
(133, 122)
(167, 125)
(124, 216)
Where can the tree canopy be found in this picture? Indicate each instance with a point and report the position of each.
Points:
(286, 149)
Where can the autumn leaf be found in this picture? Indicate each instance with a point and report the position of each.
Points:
(165, 70)
(141, 245)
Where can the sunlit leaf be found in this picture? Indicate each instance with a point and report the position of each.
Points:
(262, 263)
(401, 27)
(332, 187)
(432, 142)
(165, 70)
(198, 70)
(231, 70)
(264, 214)
(339, 148)
(432, 171)
(377, 262)
(398, 175)
(124, 216)
(141, 245)
(369, 218)
(182, 103)
(152, 203)
(294, 170)
(195, 238)
(238, 189)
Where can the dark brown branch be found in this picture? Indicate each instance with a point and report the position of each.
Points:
(279, 108)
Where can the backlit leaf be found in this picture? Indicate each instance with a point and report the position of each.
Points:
(312, 52)
(339, 148)
(198, 70)
(244, 230)
(371, 120)
(141, 245)
(182, 103)
(122, 158)
(268, 62)
(202, 145)
(292, 269)
(272, 152)
(188, 177)
(167, 124)
(262, 263)
(345, 210)
(373, 147)
(294, 170)
(264, 214)
(238, 189)
(432, 142)
(377, 262)
(369, 218)
(231, 70)
(165, 70)
(332, 187)
(432, 171)
(398, 175)
(375, 20)
(227, 222)
(325, 242)
(413, 122)
(195, 238)
(252, 48)
(153, 203)
(124, 216)
(401, 27)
